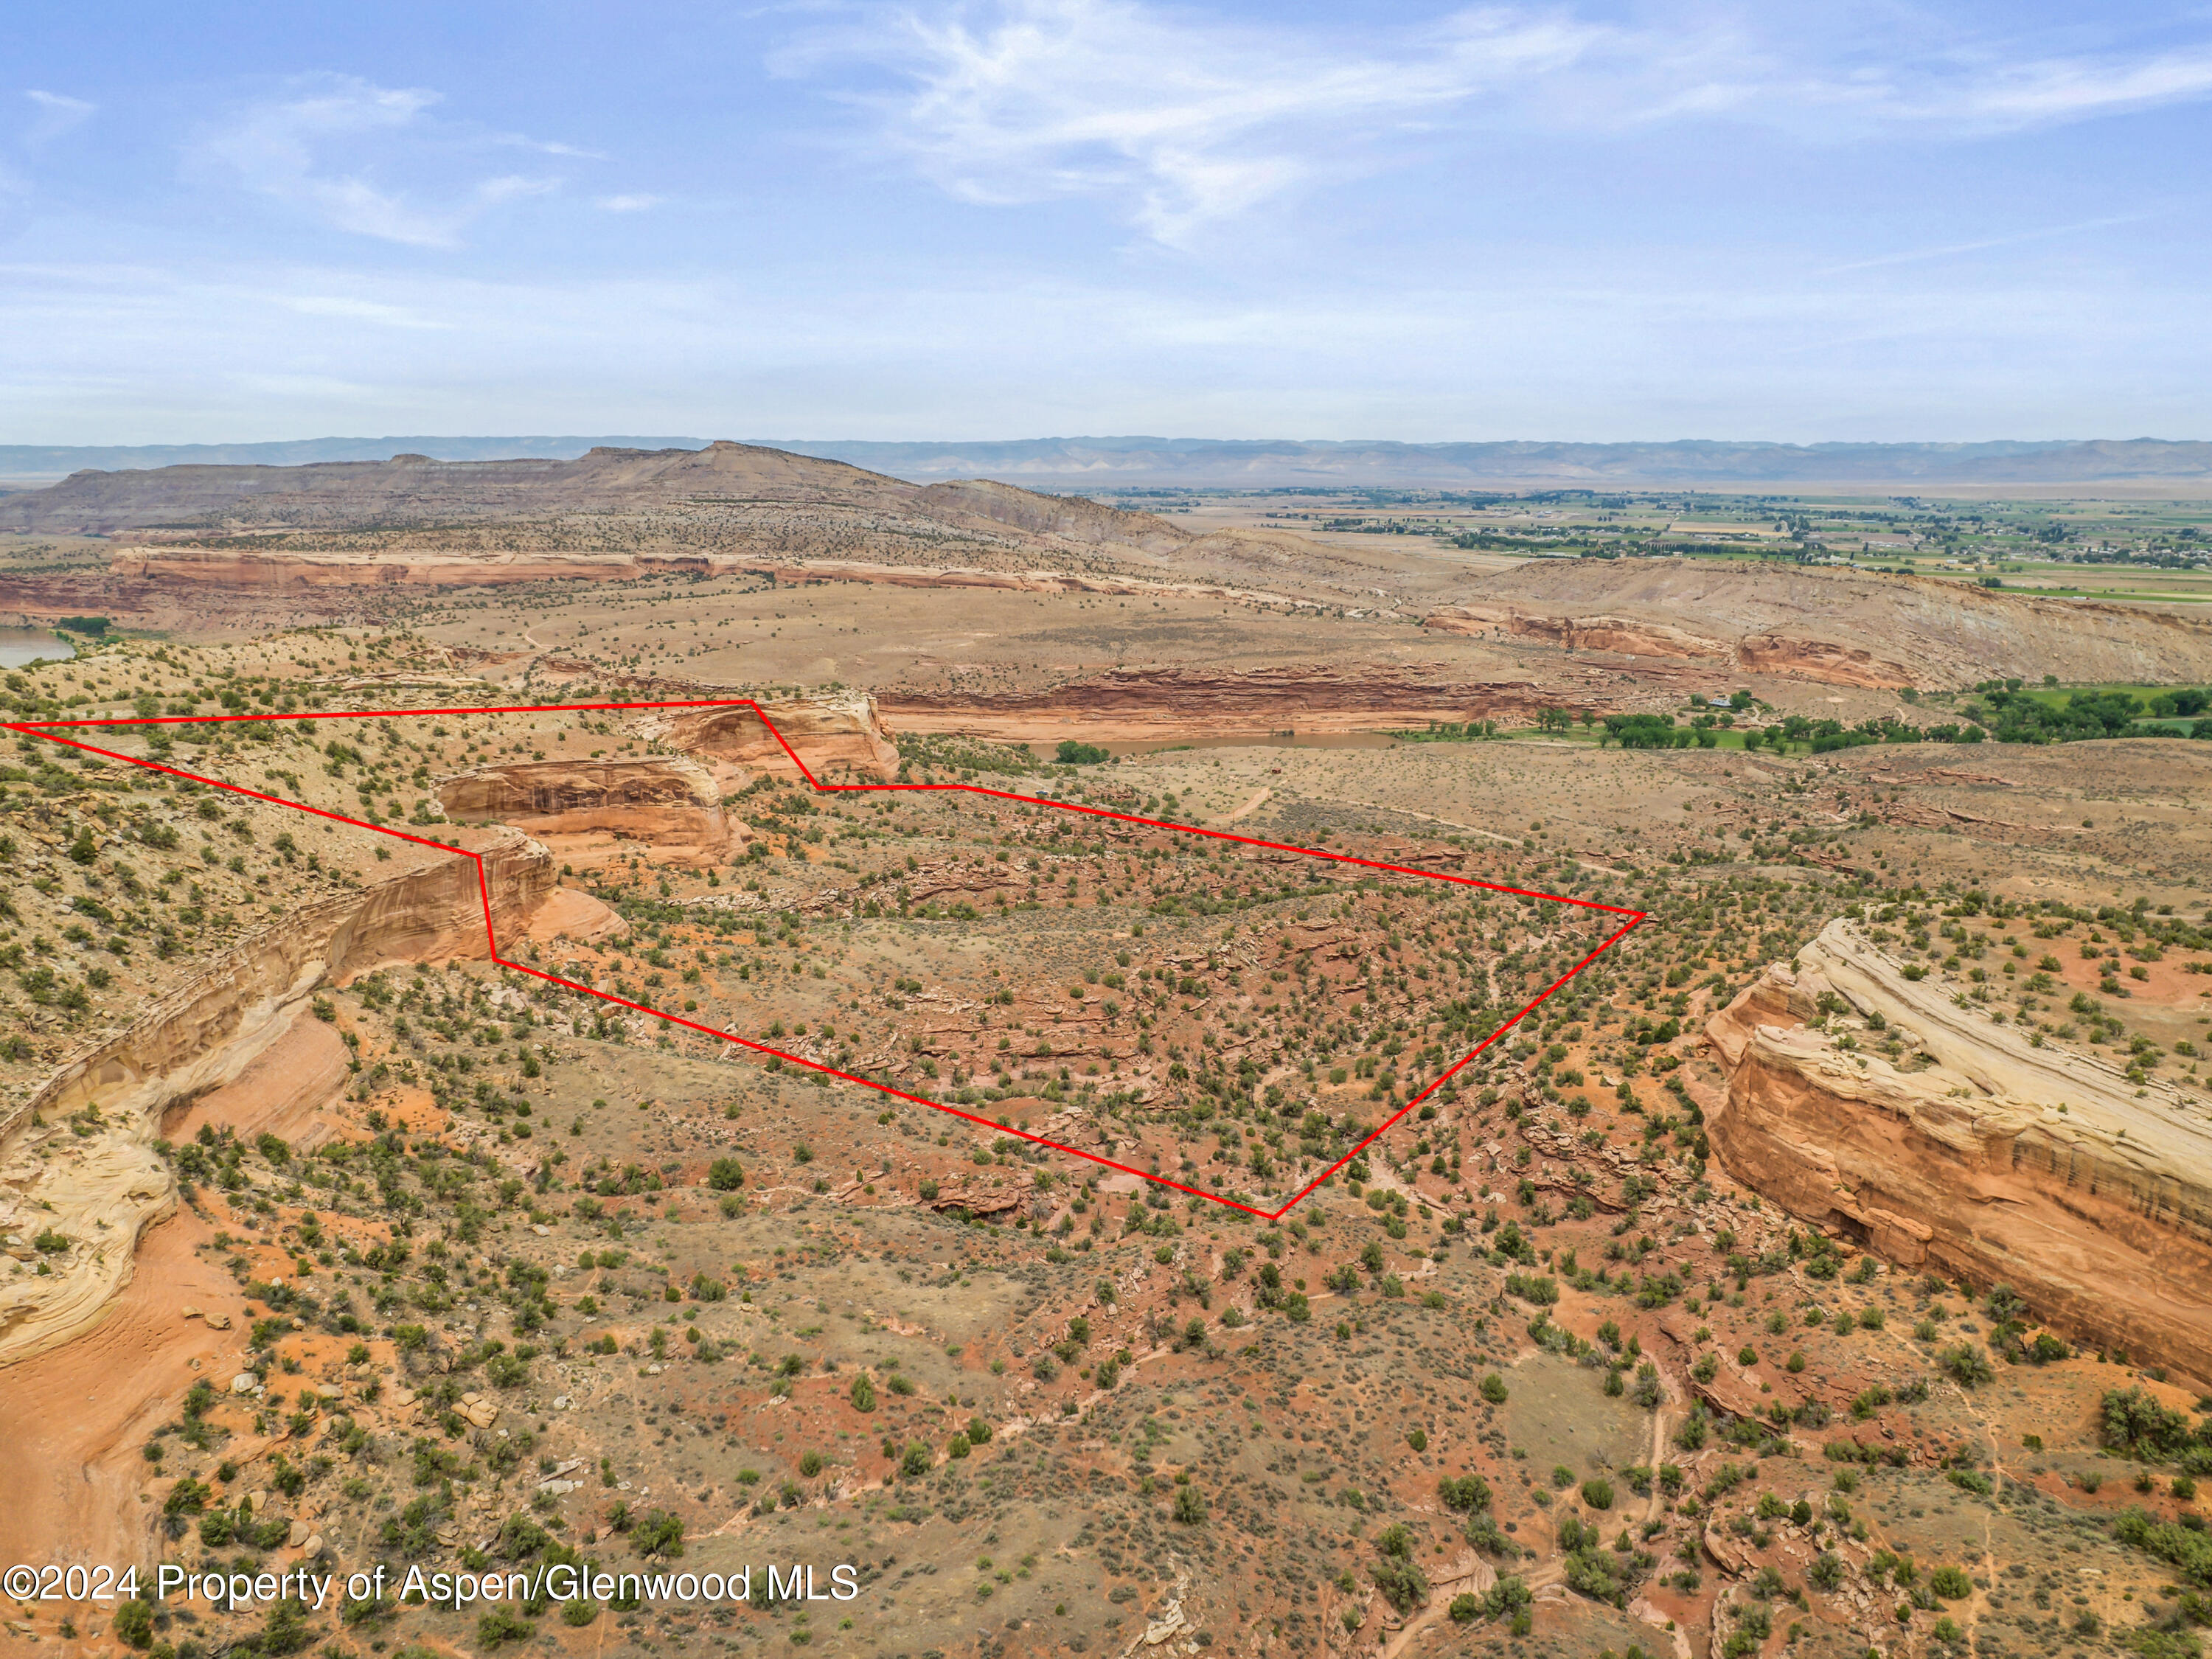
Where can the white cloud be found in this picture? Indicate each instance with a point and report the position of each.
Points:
(2038, 92)
(550, 147)
(627, 203)
(57, 113)
(354, 309)
(329, 146)
(1185, 120)
(1192, 120)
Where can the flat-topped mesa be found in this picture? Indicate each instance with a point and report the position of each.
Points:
(2001, 1163)
(669, 800)
(836, 734)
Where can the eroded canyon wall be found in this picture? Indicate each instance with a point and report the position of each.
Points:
(1150, 703)
(670, 800)
(102, 1187)
(1993, 1162)
(836, 733)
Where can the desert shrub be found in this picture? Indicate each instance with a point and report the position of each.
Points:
(1966, 1363)
(1951, 1583)
(1465, 1493)
(659, 1534)
(2132, 1420)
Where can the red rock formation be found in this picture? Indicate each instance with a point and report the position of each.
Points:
(836, 734)
(1822, 661)
(667, 800)
(1630, 637)
(2037, 1168)
(203, 1036)
(1143, 703)
(1833, 627)
(429, 909)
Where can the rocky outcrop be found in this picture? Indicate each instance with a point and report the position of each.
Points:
(2000, 1162)
(1620, 634)
(668, 799)
(149, 572)
(1780, 654)
(202, 1032)
(1140, 703)
(837, 734)
(102, 1187)
(1830, 626)
(277, 570)
(1824, 661)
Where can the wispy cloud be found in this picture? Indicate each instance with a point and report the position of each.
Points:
(1982, 245)
(627, 203)
(330, 148)
(1977, 93)
(355, 309)
(1186, 119)
(57, 113)
(1191, 119)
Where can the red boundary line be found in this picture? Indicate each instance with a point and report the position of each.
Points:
(47, 730)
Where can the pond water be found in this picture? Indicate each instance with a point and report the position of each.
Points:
(19, 645)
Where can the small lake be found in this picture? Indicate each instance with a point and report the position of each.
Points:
(19, 645)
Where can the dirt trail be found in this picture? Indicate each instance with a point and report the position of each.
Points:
(1258, 800)
(1471, 1576)
(77, 1415)
(1658, 1498)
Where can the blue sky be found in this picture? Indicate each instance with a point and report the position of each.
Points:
(1953, 219)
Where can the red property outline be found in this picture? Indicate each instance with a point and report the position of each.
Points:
(46, 729)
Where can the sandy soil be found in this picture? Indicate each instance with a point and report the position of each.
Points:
(76, 1416)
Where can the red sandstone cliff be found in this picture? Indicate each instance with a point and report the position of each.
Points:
(668, 799)
(201, 1035)
(2037, 1168)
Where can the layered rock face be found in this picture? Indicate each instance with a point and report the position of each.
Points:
(1999, 1164)
(108, 1185)
(669, 800)
(1141, 704)
(1830, 626)
(836, 734)
(1596, 633)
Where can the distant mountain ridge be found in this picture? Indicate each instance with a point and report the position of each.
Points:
(30, 462)
(1280, 463)
(1219, 463)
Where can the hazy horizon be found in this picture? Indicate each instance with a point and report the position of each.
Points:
(1105, 464)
